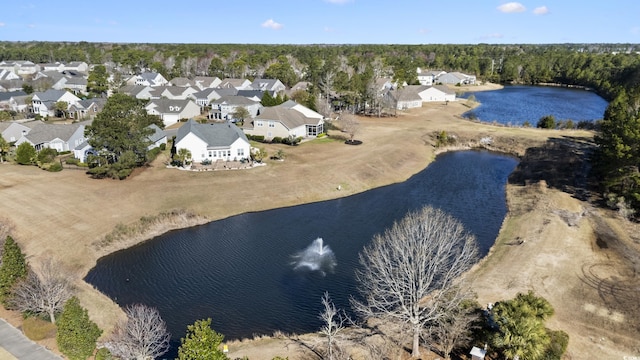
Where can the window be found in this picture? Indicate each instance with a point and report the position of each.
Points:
(259, 123)
(272, 124)
(240, 152)
(210, 154)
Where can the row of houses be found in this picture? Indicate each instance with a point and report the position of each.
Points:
(431, 77)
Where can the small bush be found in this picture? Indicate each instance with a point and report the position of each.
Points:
(163, 147)
(72, 161)
(277, 140)
(206, 162)
(547, 122)
(55, 167)
(37, 329)
(258, 138)
(103, 354)
(153, 153)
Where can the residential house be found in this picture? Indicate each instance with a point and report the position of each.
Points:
(274, 85)
(5, 99)
(79, 66)
(384, 84)
(173, 92)
(289, 119)
(407, 97)
(18, 103)
(6, 75)
(182, 81)
(56, 66)
(171, 111)
(10, 81)
(76, 84)
(214, 142)
(428, 77)
(62, 137)
(255, 95)
(20, 67)
(205, 82)
(238, 84)
(224, 107)
(147, 79)
(137, 91)
(208, 95)
(12, 131)
(299, 86)
(157, 138)
(456, 78)
(437, 93)
(86, 109)
(43, 103)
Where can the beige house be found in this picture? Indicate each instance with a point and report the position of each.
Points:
(289, 119)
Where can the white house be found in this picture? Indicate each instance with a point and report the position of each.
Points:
(224, 107)
(437, 93)
(428, 77)
(12, 131)
(43, 103)
(147, 79)
(157, 138)
(214, 142)
(171, 111)
(20, 67)
(274, 85)
(205, 82)
(285, 120)
(62, 137)
(137, 91)
(407, 97)
(238, 84)
(173, 92)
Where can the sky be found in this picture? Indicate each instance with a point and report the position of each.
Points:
(323, 21)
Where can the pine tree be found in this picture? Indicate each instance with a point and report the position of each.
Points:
(201, 342)
(77, 334)
(13, 268)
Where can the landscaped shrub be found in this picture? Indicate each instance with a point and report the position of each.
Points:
(72, 161)
(276, 140)
(206, 162)
(258, 138)
(547, 122)
(163, 147)
(153, 153)
(55, 167)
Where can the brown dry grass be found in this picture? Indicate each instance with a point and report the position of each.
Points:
(63, 215)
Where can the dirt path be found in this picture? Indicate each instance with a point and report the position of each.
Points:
(62, 215)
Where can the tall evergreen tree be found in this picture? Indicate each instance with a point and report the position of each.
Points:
(201, 342)
(12, 269)
(77, 334)
(25, 154)
(98, 83)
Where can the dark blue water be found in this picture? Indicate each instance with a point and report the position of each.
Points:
(513, 105)
(240, 271)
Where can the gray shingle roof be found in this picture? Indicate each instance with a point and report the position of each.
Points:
(42, 133)
(157, 133)
(167, 106)
(215, 135)
(234, 100)
(50, 95)
(287, 115)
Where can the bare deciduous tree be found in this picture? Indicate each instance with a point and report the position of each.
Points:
(350, 125)
(454, 328)
(44, 292)
(408, 272)
(334, 322)
(142, 336)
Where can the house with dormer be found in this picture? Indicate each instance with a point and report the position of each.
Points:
(86, 109)
(207, 96)
(274, 85)
(137, 91)
(213, 142)
(43, 103)
(171, 111)
(285, 120)
(12, 131)
(20, 67)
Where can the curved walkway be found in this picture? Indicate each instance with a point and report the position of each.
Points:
(14, 345)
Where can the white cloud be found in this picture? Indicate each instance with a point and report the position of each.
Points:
(541, 10)
(2, 24)
(338, 1)
(270, 24)
(512, 7)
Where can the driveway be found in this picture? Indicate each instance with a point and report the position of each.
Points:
(14, 345)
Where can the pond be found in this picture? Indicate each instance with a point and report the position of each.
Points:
(515, 105)
(248, 272)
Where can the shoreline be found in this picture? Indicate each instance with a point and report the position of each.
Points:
(379, 161)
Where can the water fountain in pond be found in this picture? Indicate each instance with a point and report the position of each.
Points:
(316, 257)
